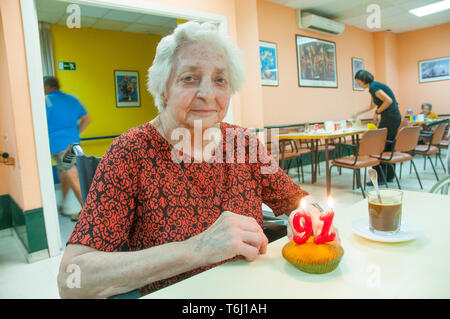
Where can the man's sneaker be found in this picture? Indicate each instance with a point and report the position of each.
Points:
(74, 218)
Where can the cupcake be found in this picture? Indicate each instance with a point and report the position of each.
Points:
(314, 258)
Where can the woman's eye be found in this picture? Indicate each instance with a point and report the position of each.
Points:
(188, 78)
(221, 80)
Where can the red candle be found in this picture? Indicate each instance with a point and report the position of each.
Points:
(325, 235)
(306, 229)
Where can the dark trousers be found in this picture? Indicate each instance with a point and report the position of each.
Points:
(391, 122)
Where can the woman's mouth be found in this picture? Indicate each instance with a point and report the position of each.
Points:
(203, 111)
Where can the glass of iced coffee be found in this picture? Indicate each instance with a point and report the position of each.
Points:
(385, 215)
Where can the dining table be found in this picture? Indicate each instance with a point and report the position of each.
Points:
(315, 136)
(417, 268)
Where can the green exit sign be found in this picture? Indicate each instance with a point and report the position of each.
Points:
(68, 66)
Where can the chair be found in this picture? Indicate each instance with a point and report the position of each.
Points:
(372, 142)
(86, 166)
(403, 149)
(443, 144)
(432, 147)
(289, 149)
(321, 148)
(442, 186)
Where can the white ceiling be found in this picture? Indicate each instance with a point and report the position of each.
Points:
(395, 14)
(53, 11)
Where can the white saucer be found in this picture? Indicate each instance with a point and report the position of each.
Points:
(408, 231)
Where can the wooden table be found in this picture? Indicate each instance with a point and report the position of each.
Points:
(415, 123)
(414, 269)
(315, 137)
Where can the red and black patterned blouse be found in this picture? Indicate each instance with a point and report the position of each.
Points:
(140, 198)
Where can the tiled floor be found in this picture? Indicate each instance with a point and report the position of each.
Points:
(18, 279)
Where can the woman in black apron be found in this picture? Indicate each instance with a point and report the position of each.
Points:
(384, 101)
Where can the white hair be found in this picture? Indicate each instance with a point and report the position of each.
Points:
(161, 69)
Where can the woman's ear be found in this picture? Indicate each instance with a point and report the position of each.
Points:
(164, 98)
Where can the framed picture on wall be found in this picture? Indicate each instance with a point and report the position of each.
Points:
(434, 70)
(316, 62)
(357, 64)
(269, 63)
(127, 88)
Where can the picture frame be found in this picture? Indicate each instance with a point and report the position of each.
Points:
(434, 70)
(316, 62)
(268, 57)
(357, 64)
(126, 87)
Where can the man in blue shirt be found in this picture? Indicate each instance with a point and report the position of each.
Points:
(66, 119)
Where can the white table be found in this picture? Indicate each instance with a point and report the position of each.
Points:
(414, 269)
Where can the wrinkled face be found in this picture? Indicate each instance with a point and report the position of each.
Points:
(198, 87)
(426, 110)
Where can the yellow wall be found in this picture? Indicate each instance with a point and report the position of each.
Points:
(97, 53)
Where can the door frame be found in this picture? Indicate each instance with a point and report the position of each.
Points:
(35, 76)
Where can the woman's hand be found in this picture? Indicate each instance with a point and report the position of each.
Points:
(375, 118)
(231, 235)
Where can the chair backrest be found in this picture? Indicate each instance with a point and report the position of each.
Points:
(438, 134)
(86, 167)
(372, 142)
(407, 138)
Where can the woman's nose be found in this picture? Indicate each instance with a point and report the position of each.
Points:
(205, 89)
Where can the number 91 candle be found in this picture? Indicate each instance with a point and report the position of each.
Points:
(316, 254)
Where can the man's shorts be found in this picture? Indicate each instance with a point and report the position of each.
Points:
(62, 166)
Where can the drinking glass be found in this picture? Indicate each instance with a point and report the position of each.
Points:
(385, 217)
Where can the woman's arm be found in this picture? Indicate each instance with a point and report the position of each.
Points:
(371, 107)
(387, 101)
(104, 274)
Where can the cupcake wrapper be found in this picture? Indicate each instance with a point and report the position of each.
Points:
(319, 269)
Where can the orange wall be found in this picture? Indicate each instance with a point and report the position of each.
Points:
(22, 179)
(288, 103)
(414, 46)
(251, 111)
(386, 55)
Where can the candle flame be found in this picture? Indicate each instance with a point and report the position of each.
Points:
(303, 204)
(330, 202)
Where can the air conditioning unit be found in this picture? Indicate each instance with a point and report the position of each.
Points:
(319, 24)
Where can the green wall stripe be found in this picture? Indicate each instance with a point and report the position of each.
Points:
(5, 212)
(29, 225)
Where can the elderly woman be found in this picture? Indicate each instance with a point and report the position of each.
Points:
(155, 213)
(426, 110)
